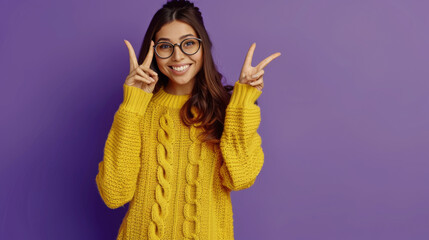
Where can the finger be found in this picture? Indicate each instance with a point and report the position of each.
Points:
(259, 86)
(257, 82)
(249, 56)
(148, 60)
(145, 80)
(149, 70)
(133, 58)
(144, 71)
(247, 78)
(258, 74)
(155, 78)
(267, 60)
(141, 73)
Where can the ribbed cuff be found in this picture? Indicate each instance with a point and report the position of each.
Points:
(135, 99)
(244, 95)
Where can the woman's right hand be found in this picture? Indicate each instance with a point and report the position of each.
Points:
(141, 76)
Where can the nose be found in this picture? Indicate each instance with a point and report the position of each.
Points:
(178, 54)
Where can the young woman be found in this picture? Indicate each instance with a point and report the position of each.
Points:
(180, 142)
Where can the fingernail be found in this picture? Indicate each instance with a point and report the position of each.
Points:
(254, 76)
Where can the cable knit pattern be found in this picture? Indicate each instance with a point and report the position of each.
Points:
(192, 209)
(176, 186)
(164, 171)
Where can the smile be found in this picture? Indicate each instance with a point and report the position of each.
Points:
(180, 69)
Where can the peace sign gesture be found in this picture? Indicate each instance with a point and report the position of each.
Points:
(141, 76)
(254, 75)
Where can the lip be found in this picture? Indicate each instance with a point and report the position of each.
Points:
(180, 73)
(179, 65)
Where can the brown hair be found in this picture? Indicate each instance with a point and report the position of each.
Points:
(209, 96)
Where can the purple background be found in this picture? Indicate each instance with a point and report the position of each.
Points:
(345, 114)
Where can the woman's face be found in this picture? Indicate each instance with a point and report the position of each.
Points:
(181, 81)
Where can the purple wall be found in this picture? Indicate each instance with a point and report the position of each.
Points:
(345, 114)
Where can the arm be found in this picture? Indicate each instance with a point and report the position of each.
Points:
(240, 143)
(117, 173)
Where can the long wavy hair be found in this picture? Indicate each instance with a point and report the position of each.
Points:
(209, 96)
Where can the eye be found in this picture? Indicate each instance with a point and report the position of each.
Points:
(164, 46)
(189, 43)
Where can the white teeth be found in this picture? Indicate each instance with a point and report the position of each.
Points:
(180, 69)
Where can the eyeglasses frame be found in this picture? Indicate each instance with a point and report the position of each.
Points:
(180, 46)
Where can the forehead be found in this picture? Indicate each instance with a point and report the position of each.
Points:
(174, 30)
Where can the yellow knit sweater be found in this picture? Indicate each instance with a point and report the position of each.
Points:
(178, 188)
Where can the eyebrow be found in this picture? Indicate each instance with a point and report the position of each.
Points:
(182, 37)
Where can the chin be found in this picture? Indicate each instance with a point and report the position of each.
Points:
(181, 82)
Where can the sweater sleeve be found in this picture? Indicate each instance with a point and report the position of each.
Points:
(240, 142)
(117, 172)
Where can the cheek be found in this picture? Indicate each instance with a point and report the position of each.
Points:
(161, 65)
(199, 60)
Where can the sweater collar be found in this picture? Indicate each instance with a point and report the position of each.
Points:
(170, 100)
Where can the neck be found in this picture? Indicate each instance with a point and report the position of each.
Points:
(179, 89)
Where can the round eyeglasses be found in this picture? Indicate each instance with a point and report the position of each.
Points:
(189, 46)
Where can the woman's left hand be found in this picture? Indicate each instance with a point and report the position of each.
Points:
(254, 75)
